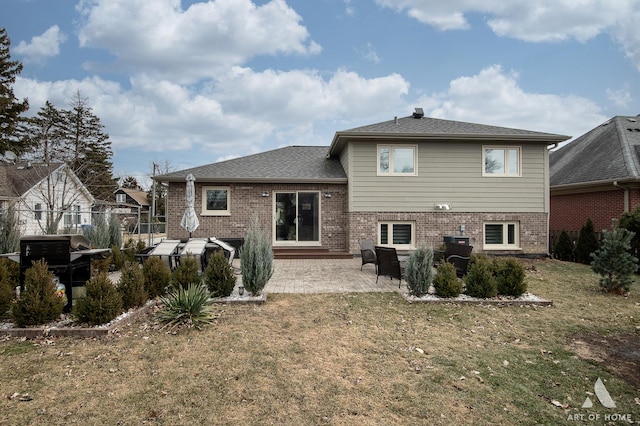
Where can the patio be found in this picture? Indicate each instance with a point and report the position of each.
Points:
(327, 276)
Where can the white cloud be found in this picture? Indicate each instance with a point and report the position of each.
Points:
(236, 114)
(494, 97)
(620, 97)
(42, 47)
(370, 54)
(157, 37)
(535, 20)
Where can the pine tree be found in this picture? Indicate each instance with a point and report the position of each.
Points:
(10, 108)
(587, 243)
(613, 262)
(89, 149)
(631, 222)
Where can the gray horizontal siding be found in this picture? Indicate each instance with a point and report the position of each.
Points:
(447, 173)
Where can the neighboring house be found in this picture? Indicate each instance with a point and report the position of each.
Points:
(45, 194)
(406, 182)
(132, 200)
(596, 176)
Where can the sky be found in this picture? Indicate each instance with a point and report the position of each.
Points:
(186, 83)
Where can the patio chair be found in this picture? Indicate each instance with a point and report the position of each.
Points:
(165, 250)
(388, 264)
(458, 255)
(368, 253)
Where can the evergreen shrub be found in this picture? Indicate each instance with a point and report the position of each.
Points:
(479, 280)
(446, 282)
(117, 258)
(218, 276)
(613, 261)
(131, 286)
(563, 249)
(101, 303)
(418, 272)
(510, 276)
(186, 273)
(587, 243)
(257, 259)
(39, 302)
(9, 271)
(157, 276)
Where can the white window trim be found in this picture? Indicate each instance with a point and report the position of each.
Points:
(391, 148)
(121, 198)
(505, 245)
(390, 224)
(506, 161)
(206, 212)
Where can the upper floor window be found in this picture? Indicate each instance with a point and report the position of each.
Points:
(397, 160)
(37, 211)
(501, 161)
(215, 201)
(121, 198)
(73, 216)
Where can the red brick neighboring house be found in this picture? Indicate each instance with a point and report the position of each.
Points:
(407, 182)
(596, 176)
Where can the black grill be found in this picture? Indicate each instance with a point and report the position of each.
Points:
(67, 256)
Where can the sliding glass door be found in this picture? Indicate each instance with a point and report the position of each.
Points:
(297, 217)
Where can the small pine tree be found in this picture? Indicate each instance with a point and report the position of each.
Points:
(613, 262)
(157, 276)
(418, 272)
(218, 276)
(257, 259)
(563, 249)
(99, 233)
(101, 303)
(131, 286)
(479, 280)
(587, 243)
(631, 222)
(8, 283)
(446, 282)
(510, 277)
(186, 273)
(117, 258)
(38, 303)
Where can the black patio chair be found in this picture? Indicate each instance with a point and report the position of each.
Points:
(458, 255)
(388, 264)
(368, 253)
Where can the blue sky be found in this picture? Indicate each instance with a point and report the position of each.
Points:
(187, 83)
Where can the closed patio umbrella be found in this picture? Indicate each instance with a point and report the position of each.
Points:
(190, 220)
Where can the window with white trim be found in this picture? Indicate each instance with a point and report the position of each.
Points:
(37, 211)
(501, 235)
(501, 161)
(215, 201)
(73, 216)
(400, 235)
(121, 198)
(397, 160)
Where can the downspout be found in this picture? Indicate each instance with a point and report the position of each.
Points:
(626, 195)
(548, 196)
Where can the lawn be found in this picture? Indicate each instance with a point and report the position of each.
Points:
(347, 359)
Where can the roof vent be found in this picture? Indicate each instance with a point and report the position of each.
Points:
(419, 113)
(633, 120)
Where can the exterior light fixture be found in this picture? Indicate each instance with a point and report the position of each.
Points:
(327, 195)
(265, 193)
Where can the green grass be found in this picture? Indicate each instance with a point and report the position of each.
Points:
(345, 359)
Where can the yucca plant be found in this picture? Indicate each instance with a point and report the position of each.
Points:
(186, 307)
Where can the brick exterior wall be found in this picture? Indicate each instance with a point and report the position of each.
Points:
(246, 200)
(341, 230)
(570, 212)
(431, 227)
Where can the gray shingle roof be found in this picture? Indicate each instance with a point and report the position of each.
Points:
(17, 179)
(435, 128)
(289, 164)
(607, 153)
